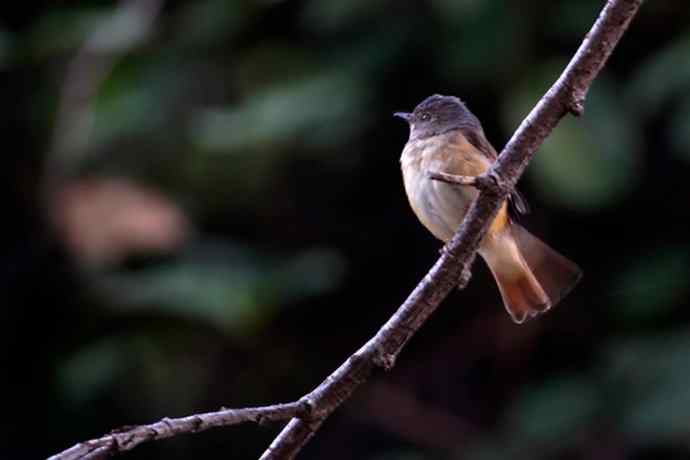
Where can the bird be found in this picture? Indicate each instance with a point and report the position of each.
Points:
(445, 137)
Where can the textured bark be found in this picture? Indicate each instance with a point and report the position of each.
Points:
(127, 438)
(452, 269)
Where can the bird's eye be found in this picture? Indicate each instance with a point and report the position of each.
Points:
(425, 116)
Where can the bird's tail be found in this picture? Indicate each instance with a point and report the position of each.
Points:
(531, 276)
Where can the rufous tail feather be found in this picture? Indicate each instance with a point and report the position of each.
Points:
(530, 275)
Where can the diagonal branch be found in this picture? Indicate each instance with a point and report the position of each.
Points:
(567, 95)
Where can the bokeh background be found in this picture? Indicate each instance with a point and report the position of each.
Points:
(203, 207)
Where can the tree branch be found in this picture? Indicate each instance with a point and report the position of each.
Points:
(567, 95)
(454, 179)
(127, 438)
(481, 182)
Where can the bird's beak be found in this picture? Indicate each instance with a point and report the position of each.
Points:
(404, 115)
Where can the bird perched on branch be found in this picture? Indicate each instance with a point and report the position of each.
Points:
(446, 138)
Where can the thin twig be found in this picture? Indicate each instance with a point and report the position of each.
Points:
(567, 95)
(127, 438)
(454, 179)
(487, 182)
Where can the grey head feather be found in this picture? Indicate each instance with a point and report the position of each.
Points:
(439, 114)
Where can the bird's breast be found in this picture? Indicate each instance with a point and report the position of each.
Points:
(439, 206)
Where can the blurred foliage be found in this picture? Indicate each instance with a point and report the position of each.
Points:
(653, 376)
(653, 284)
(216, 217)
(231, 288)
(577, 169)
(554, 410)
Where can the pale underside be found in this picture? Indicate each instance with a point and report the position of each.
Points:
(439, 206)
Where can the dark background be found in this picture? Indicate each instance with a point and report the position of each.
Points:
(204, 208)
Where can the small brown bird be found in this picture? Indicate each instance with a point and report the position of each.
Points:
(446, 137)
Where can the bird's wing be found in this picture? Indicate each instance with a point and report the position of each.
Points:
(476, 137)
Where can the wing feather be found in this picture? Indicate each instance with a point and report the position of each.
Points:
(476, 137)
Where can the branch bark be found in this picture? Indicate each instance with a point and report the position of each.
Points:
(127, 438)
(567, 95)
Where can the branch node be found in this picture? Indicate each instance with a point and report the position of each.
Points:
(575, 99)
(465, 278)
(117, 444)
(384, 359)
(262, 421)
(307, 409)
(197, 422)
(102, 452)
(492, 182)
(444, 251)
(576, 106)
